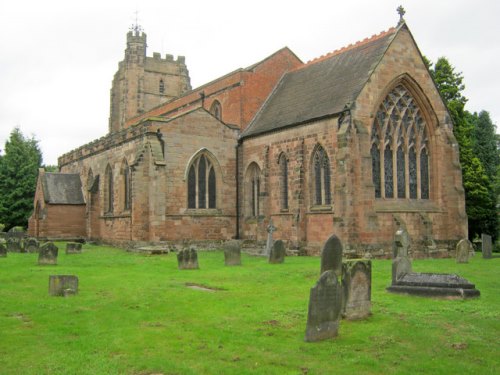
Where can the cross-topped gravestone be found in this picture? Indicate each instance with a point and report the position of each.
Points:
(464, 249)
(270, 230)
(232, 253)
(48, 254)
(325, 304)
(187, 259)
(331, 255)
(278, 252)
(486, 246)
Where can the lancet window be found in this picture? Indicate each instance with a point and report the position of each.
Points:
(201, 183)
(321, 177)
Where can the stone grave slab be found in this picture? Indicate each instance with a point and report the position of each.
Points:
(232, 253)
(73, 248)
(357, 288)
(63, 285)
(325, 305)
(31, 245)
(331, 256)
(278, 252)
(486, 246)
(464, 250)
(187, 259)
(47, 254)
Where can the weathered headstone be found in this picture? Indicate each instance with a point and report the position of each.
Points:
(14, 245)
(48, 254)
(3, 248)
(278, 252)
(325, 305)
(187, 259)
(270, 230)
(464, 250)
(331, 255)
(232, 253)
(63, 285)
(401, 264)
(357, 288)
(486, 246)
(73, 248)
(31, 245)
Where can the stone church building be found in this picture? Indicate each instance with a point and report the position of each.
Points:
(356, 143)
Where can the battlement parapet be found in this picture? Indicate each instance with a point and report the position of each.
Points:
(181, 60)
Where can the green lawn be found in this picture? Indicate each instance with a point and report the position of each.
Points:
(135, 315)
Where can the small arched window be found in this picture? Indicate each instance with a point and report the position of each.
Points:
(283, 166)
(127, 186)
(162, 87)
(321, 177)
(202, 183)
(108, 189)
(252, 190)
(399, 149)
(216, 110)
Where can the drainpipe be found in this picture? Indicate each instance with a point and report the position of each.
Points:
(237, 148)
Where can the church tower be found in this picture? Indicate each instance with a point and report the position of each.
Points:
(142, 83)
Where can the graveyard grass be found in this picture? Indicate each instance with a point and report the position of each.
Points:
(134, 314)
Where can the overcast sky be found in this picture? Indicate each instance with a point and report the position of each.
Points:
(58, 57)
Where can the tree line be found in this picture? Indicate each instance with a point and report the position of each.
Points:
(475, 133)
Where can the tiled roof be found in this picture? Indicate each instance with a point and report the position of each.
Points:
(62, 188)
(322, 87)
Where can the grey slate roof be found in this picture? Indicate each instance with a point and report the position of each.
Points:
(62, 188)
(322, 87)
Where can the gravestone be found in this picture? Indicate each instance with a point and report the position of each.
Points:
(401, 264)
(232, 253)
(278, 252)
(357, 288)
(47, 255)
(31, 245)
(325, 305)
(187, 259)
(331, 255)
(14, 244)
(3, 248)
(63, 285)
(486, 246)
(270, 230)
(464, 250)
(73, 248)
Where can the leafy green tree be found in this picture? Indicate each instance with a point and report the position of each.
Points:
(18, 174)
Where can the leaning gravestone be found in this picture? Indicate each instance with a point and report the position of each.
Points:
(486, 246)
(31, 245)
(325, 305)
(63, 285)
(357, 288)
(278, 252)
(232, 253)
(73, 248)
(464, 249)
(14, 245)
(48, 254)
(3, 249)
(187, 259)
(331, 255)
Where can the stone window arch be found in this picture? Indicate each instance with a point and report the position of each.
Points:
(108, 190)
(252, 190)
(127, 185)
(321, 177)
(283, 181)
(400, 148)
(216, 110)
(161, 87)
(202, 183)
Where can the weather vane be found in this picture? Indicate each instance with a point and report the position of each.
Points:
(136, 28)
(401, 12)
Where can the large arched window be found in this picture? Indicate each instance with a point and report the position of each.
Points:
(283, 177)
(216, 110)
(201, 183)
(108, 189)
(399, 148)
(127, 186)
(321, 177)
(252, 190)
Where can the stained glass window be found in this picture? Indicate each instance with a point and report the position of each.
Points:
(211, 189)
(399, 125)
